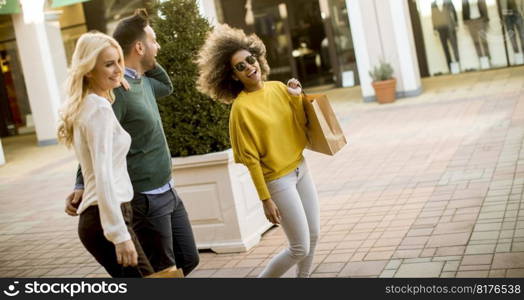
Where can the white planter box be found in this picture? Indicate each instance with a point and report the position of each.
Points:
(221, 200)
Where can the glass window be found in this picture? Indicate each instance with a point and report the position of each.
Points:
(306, 39)
(14, 107)
(469, 35)
(271, 25)
(511, 13)
(343, 43)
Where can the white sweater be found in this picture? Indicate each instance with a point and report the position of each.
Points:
(101, 146)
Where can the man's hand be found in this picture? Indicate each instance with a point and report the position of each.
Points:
(271, 211)
(294, 87)
(125, 85)
(72, 202)
(126, 254)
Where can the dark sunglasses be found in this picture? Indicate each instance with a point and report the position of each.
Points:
(241, 66)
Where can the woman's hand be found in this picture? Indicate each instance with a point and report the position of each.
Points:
(126, 254)
(72, 202)
(294, 87)
(271, 211)
(125, 84)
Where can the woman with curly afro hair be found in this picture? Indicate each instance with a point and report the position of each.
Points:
(267, 128)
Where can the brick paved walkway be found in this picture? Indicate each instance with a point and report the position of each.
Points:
(430, 186)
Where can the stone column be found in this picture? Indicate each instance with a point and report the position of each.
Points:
(208, 10)
(56, 45)
(40, 67)
(2, 158)
(385, 33)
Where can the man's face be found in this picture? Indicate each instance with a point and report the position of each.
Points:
(151, 49)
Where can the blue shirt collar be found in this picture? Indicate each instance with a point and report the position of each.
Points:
(131, 73)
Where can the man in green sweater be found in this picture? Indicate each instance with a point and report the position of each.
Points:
(159, 217)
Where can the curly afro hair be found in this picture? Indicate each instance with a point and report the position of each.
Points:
(214, 62)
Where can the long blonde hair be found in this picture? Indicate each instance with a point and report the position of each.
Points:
(86, 52)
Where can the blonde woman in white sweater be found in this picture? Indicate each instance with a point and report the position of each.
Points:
(89, 125)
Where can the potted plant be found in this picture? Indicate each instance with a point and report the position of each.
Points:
(383, 83)
(223, 205)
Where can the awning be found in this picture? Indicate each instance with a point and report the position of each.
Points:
(9, 7)
(58, 3)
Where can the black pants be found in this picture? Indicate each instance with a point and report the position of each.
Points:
(448, 34)
(92, 236)
(515, 27)
(162, 226)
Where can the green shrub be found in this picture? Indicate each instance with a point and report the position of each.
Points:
(382, 71)
(193, 123)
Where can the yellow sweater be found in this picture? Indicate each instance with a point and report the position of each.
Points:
(267, 129)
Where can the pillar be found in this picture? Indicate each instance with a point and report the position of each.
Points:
(208, 10)
(385, 33)
(41, 68)
(2, 157)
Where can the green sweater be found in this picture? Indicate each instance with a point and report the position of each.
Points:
(149, 159)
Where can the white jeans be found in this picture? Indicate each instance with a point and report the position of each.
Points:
(296, 198)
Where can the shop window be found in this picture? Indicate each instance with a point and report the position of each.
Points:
(15, 110)
(307, 39)
(344, 51)
(470, 35)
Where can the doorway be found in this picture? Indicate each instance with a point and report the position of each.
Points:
(306, 39)
(15, 112)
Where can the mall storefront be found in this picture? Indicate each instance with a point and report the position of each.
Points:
(312, 39)
(30, 98)
(63, 23)
(455, 36)
(320, 42)
(306, 39)
(331, 43)
(14, 102)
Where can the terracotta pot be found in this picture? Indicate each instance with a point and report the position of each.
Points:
(385, 90)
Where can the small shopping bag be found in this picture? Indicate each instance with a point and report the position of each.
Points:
(323, 129)
(171, 272)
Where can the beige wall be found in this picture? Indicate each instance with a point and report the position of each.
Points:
(71, 15)
(72, 25)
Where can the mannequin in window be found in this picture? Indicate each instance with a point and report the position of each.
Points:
(475, 16)
(511, 14)
(445, 23)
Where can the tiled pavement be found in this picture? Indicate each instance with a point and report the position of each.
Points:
(430, 186)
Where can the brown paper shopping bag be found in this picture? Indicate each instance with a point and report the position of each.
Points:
(171, 272)
(323, 130)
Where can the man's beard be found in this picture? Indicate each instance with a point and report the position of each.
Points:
(148, 62)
